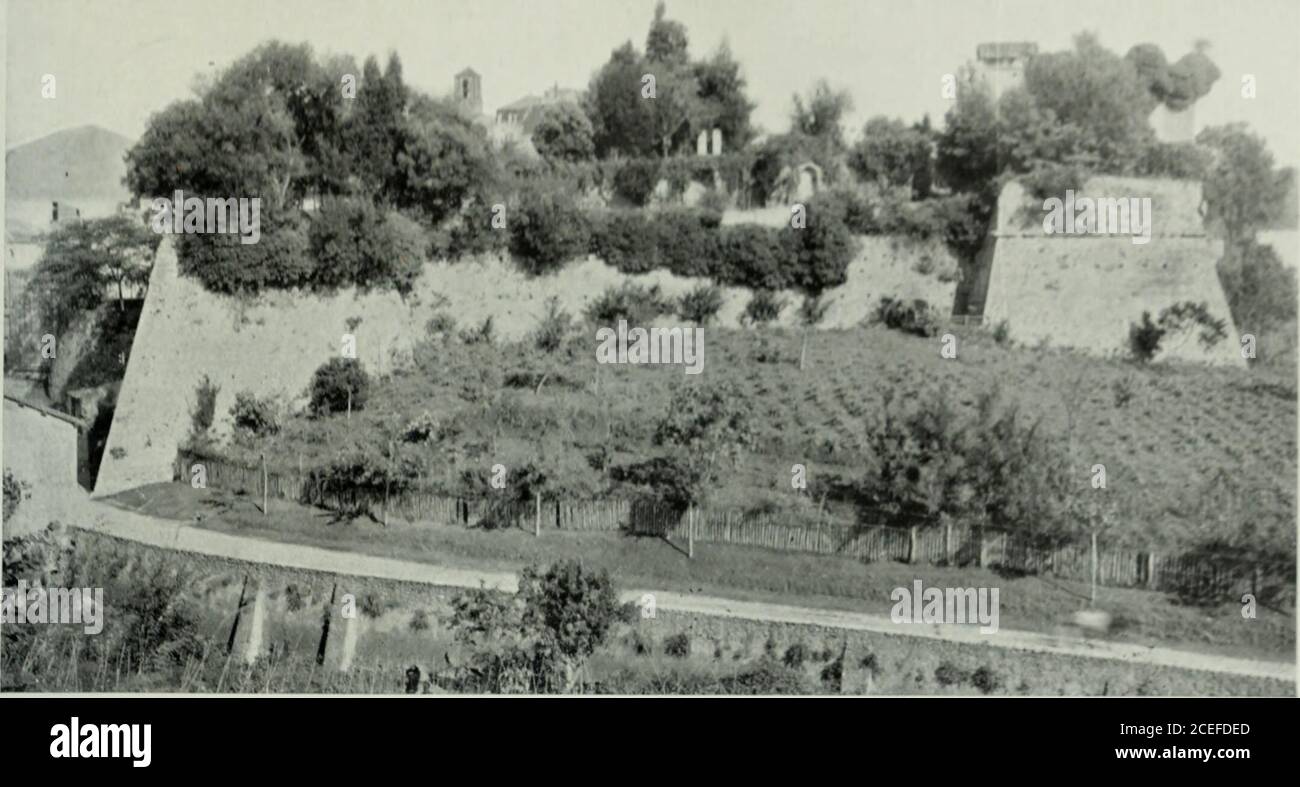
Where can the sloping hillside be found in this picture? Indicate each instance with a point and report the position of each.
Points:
(272, 345)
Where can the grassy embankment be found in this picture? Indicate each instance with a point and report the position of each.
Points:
(1026, 603)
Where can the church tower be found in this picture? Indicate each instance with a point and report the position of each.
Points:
(468, 91)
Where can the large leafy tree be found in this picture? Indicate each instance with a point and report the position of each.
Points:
(375, 130)
(688, 96)
(83, 260)
(622, 121)
(1243, 191)
(563, 133)
(723, 102)
(540, 639)
(889, 151)
(1098, 92)
(667, 42)
(442, 162)
(967, 149)
(821, 113)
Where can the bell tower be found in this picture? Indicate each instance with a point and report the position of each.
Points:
(468, 91)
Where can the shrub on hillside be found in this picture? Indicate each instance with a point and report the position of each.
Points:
(754, 257)
(821, 252)
(1145, 338)
(338, 384)
(360, 475)
(626, 240)
(485, 333)
(635, 181)
(765, 306)
(638, 305)
(913, 316)
(259, 416)
(949, 674)
(554, 328)
(472, 233)
(687, 240)
(15, 492)
(795, 656)
(440, 327)
(678, 645)
(701, 304)
(767, 676)
(356, 243)
(932, 462)
(986, 680)
(547, 230)
(848, 206)
(205, 408)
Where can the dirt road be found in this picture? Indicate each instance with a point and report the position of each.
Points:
(105, 518)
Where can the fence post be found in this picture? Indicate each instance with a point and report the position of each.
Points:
(264, 484)
(325, 626)
(1151, 570)
(537, 520)
(239, 610)
(690, 532)
(911, 545)
(1094, 567)
(947, 543)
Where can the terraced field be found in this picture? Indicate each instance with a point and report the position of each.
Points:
(1163, 432)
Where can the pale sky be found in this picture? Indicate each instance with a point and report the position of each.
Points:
(117, 61)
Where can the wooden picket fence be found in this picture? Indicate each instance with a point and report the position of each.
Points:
(946, 545)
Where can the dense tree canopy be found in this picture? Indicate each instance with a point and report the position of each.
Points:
(283, 126)
(688, 96)
(563, 133)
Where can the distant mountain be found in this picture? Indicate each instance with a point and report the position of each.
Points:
(78, 164)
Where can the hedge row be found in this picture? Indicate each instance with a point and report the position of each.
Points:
(692, 242)
(350, 242)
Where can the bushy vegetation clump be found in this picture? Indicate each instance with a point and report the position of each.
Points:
(539, 639)
(701, 304)
(913, 316)
(338, 385)
(932, 462)
(281, 259)
(635, 181)
(1145, 337)
(547, 230)
(204, 410)
(257, 415)
(632, 302)
(764, 307)
(355, 243)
